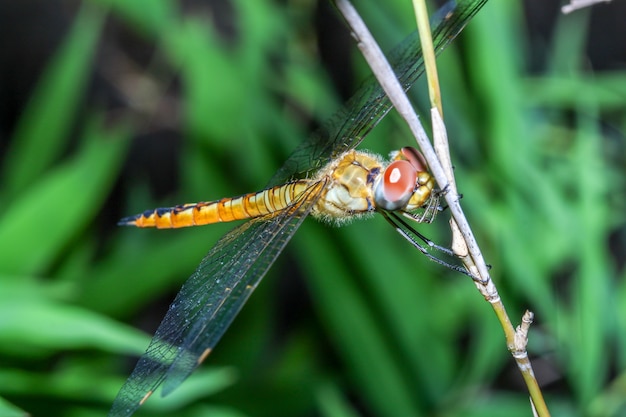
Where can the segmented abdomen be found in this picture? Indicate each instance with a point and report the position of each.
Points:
(246, 206)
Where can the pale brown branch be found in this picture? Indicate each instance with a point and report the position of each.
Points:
(464, 244)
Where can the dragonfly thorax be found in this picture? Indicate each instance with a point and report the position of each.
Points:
(359, 183)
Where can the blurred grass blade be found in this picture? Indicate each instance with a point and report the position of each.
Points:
(345, 311)
(203, 383)
(333, 402)
(52, 107)
(58, 206)
(42, 327)
(9, 410)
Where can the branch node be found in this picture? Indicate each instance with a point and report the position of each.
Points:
(521, 335)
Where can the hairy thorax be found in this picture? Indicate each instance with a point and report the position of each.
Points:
(349, 189)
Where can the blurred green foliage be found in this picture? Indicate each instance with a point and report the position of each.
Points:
(539, 159)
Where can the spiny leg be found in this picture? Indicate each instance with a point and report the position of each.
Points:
(394, 220)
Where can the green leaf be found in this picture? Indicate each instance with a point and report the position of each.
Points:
(354, 328)
(9, 410)
(43, 131)
(39, 325)
(43, 218)
(333, 403)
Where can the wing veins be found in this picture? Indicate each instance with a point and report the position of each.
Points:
(166, 360)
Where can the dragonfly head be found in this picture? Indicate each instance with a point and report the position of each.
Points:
(405, 183)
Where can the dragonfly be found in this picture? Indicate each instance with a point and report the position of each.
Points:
(325, 177)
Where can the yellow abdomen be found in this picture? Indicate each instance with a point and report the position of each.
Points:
(247, 206)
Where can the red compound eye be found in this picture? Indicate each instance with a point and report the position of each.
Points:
(415, 157)
(397, 185)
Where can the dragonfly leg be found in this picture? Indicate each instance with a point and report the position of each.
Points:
(410, 234)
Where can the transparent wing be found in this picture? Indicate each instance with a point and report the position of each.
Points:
(347, 128)
(209, 301)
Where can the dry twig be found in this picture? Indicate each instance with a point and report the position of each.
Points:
(464, 243)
